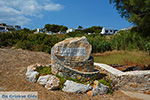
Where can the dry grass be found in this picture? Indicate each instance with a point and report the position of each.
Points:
(13, 64)
(123, 57)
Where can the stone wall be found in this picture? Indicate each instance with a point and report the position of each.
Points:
(133, 80)
(66, 71)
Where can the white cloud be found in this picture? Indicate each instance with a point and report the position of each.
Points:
(53, 7)
(19, 11)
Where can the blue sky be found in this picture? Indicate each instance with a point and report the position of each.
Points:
(71, 13)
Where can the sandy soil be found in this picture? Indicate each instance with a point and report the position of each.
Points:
(13, 64)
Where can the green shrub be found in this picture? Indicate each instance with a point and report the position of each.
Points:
(25, 39)
(107, 83)
(147, 47)
(127, 40)
(62, 81)
(24, 45)
(44, 70)
(99, 43)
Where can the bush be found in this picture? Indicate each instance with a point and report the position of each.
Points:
(44, 70)
(147, 47)
(25, 39)
(107, 83)
(127, 40)
(99, 43)
(24, 45)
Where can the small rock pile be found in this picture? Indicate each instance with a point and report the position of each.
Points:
(51, 82)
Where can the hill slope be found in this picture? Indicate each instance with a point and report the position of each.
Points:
(13, 64)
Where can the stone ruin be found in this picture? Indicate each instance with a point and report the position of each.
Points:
(72, 58)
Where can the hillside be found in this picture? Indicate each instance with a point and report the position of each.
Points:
(13, 64)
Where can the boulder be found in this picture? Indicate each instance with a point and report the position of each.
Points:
(43, 79)
(100, 89)
(73, 49)
(50, 82)
(74, 53)
(33, 67)
(70, 86)
(31, 74)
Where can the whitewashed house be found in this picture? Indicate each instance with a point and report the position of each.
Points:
(70, 30)
(3, 29)
(106, 31)
(38, 30)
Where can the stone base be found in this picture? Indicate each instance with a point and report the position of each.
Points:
(65, 71)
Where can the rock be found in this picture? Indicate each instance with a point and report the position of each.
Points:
(89, 93)
(100, 89)
(73, 49)
(31, 74)
(51, 82)
(73, 53)
(74, 87)
(43, 79)
(33, 67)
(95, 84)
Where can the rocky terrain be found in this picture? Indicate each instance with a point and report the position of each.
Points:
(13, 65)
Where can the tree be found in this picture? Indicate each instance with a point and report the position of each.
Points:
(135, 11)
(63, 28)
(55, 28)
(80, 27)
(93, 29)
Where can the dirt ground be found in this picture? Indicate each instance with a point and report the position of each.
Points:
(13, 64)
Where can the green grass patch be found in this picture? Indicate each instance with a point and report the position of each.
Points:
(107, 83)
(44, 70)
(62, 81)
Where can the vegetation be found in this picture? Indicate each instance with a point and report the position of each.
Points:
(127, 40)
(123, 40)
(62, 81)
(147, 47)
(93, 29)
(55, 28)
(135, 11)
(123, 57)
(44, 70)
(107, 83)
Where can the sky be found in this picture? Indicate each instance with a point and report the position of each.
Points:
(71, 13)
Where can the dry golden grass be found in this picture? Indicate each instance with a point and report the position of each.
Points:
(123, 57)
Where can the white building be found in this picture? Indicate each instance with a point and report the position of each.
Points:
(106, 31)
(39, 30)
(70, 30)
(3, 29)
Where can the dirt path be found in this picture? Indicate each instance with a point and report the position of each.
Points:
(137, 95)
(13, 64)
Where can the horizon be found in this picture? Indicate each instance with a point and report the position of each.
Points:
(35, 14)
